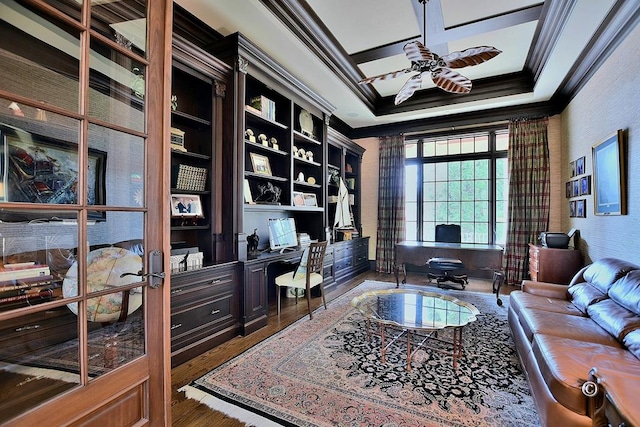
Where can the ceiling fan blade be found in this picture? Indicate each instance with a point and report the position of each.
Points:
(410, 86)
(386, 76)
(472, 56)
(451, 81)
(416, 51)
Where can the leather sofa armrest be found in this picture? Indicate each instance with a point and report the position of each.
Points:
(545, 289)
(618, 389)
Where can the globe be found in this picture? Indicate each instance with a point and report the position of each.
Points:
(104, 267)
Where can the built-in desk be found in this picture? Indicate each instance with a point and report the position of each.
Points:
(479, 260)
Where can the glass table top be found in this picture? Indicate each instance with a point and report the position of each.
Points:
(414, 309)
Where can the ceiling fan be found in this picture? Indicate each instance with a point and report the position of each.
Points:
(440, 67)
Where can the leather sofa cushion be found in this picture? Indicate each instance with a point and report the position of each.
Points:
(615, 319)
(566, 326)
(519, 300)
(604, 272)
(565, 364)
(632, 341)
(584, 294)
(626, 291)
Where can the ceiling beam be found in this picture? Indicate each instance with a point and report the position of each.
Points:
(438, 35)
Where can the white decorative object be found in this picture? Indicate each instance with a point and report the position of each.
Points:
(311, 180)
(302, 153)
(310, 156)
(250, 135)
(301, 177)
(274, 143)
(262, 138)
(306, 123)
(295, 151)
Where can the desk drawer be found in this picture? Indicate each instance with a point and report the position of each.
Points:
(184, 293)
(341, 265)
(201, 320)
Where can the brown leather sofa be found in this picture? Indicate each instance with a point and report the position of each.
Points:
(563, 333)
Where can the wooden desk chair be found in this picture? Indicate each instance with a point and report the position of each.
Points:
(307, 275)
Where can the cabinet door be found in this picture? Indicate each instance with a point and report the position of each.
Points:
(256, 303)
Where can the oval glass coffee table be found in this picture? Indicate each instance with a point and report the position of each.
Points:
(418, 315)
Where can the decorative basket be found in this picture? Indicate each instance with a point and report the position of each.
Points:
(189, 178)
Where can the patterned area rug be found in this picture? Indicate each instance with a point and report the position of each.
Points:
(325, 372)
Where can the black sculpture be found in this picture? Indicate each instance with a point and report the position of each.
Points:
(252, 242)
(269, 193)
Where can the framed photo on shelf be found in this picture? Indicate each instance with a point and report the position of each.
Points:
(298, 198)
(310, 200)
(260, 164)
(248, 197)
(609, 177)
(186, 206)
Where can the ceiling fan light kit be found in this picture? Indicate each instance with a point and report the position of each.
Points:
(440, 67)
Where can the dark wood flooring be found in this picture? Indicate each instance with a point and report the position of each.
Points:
(187, 412)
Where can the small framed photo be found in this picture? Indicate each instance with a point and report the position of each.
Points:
(585, 185)
(568, 189)
(248, 197)
(260, 164)
(573, 168)
(581, 208)
(298, 198)
(310, 199)
(580, 165)
(186, 206)
(575, 192)
(572, 209)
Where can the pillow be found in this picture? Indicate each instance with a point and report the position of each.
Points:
(301, 270)
(613, 318)
(583, 295)
(632, 341)
(626, 291)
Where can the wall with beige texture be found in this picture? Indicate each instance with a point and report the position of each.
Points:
(608, 102)
(369, 188)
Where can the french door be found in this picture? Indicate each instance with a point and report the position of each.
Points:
(83, 219)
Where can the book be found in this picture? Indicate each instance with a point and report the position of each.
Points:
(10, 272)
(26, 283)
(31, 296)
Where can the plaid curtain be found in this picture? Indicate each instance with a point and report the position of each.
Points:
(528, 161)
(391, 222)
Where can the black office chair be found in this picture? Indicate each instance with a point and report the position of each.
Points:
(447, 269)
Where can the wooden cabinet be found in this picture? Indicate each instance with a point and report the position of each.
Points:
(205, 310)
(344, 160)
(351, 257)
(553, 265)
(280, 130)
(200, 172)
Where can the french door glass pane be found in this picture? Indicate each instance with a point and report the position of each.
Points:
(123, 21)
(116, 167)
(39, 59)
(117, 87)
(73, 8)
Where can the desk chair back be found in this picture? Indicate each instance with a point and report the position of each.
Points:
(448, 233)
(309, 274)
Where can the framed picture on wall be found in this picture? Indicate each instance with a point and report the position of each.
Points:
(572, 209)
(581, 208)
(580, 166)
(609, 176)
(585, 185)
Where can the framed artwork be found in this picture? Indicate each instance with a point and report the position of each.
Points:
(585, 185)
(581, 208)
(186, 206)
(609, 177)
(573, 168)
(568, 189)
(38, 169)
(575, 191)
(248, 197)
(572, 209)
(260, 164)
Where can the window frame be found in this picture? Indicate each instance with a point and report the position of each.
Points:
(492, 155)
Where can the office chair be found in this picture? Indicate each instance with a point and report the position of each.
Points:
(447, 269)
(307, 275)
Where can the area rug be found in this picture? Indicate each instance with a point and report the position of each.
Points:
(325, 372)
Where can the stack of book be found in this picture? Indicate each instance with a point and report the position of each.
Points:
(265, 106)
(25, 283)
(304, 240)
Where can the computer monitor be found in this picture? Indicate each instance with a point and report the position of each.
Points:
(282, 234)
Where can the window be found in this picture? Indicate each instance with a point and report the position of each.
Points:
(458, 179)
